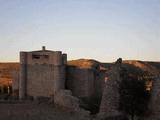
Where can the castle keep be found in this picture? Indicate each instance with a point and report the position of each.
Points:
(42, 73)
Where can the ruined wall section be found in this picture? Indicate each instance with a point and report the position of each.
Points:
(80, 81)
(99, 83)
(155, 100)
(110, 99)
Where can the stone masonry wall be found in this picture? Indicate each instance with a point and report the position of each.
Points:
(99, 83)
(155, 100)
(15, 83)
(110, 99)
(59, 77)
(40, 80)
(80, 81)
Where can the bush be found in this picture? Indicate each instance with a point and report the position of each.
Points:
(133, 95)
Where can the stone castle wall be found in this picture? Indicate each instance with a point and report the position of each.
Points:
(59, 77)
(80, 81)
(85, 82)
(40, 80)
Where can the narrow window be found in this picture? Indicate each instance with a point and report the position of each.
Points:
(35, 56)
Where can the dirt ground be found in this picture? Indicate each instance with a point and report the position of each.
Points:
(34, 111)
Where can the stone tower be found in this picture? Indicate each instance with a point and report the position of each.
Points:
(42, 73)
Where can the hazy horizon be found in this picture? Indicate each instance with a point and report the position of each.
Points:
(95, 29)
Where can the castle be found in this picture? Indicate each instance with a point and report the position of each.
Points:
(44, 73)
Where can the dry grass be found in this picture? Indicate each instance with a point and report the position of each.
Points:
(6, 71)
(83, 63)
(151, 67)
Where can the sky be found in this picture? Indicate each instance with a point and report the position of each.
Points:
(94, 29)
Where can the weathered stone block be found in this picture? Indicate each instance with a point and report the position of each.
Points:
(65, 99)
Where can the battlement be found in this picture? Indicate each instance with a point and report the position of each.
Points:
(43, 57)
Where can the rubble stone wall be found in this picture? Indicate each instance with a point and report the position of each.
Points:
(110, 99)
(154, 106)
(99, 83)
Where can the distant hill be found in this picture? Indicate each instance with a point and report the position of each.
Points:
(83, 63)
(6, 72)
(153, 68)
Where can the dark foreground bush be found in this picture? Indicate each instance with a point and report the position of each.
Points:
(91, 104)
(120, 117)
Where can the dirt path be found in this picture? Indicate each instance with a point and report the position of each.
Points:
(33, 111)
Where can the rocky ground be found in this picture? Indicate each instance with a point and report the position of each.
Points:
(35, 111)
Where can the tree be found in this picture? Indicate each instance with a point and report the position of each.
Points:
(133, 95)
